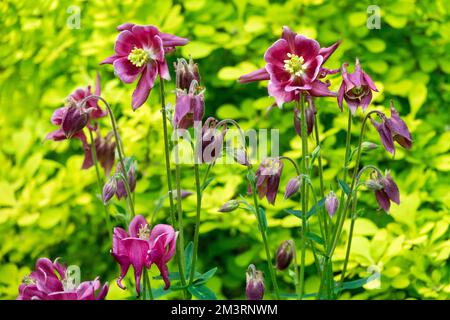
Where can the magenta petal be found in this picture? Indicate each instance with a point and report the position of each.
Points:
(62, 295)
(136, 224)
(145, 35)
(164, 70)
(327, 52)
(289, 36)
(277, 53)
(137, 252)
(126, 71)
(365, 100)
(391, 189)
(58, 115)
(385, 136)
(125, 26)
(280, 95)
(341, 93)
(383, 200)
(144, 85)
(306, 48)
(86, 290)
(320, 89)
(312, 69)
(56, 135)
(111, 59)
(170, 40)
(277, 74)
(257, 75)
(126, 41)
(103, 292)
(369, 82)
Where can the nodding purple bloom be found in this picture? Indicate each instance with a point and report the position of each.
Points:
(254, 289)
(109, 190)
(105, 148)
(284, 255)
(142, 247)
(131, 173)
(268, 178)
(52, 281)
(294, 65)
(73, 118)
(140, 51)
(356, 88)
(292, 187)
(212, 142)
(189, 107)
(388, 193)
(186, 73)
(310, 113)
(393, 129)
(331, 203)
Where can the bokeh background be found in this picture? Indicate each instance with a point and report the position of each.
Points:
(48, 205)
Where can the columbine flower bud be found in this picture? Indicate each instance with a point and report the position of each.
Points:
(74, 120)
(131, 173)
(186, 73)
(367, 146)
(109, 189)
(292, 187)
(255, 284)
(184, 194)
(268, 178)
(229, 206)
(240, 157)
(331, 203)
(284, 255)
(310, 119)
(373, 185)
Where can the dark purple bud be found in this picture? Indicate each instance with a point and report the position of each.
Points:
(331, 203)
(212, 141)
(229, 206)
(105, 148)
(284, 255)
(109, 189)
(310, 113)
(388, 193)
(184, 194)
(186, 73)
(74, 120)
(292, 187)
(255, 284)
(131, 173)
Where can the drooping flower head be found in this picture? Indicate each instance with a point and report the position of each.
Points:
(186, 72)
(294, 65)
(105, 147)
(121, 191)
(268, 178)
(386, 190)
(53, 281)
(142, 247)
(393, 129)
(292, 187)
(140, 51)
(189, 107)
(74, 117)
(254, 289)
(210, 148)
(356, 88)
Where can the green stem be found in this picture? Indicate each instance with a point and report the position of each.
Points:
(266, 244)
(301, 105)
(297, 284)
(128, 190)
(100, 182)
(179, 201)
(350, 237)
(169, 180)
(148, 285)
(197, 221)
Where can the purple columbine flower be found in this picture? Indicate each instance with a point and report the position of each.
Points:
(109, 189)
(389, 192)
(131, 173)
(140, 51)
(356, 88)
(292, 187)
(142, 247)
(189, 107)
(212, 141)
(105, 148)
(268, 178)
(294, 65)
(331, 203)
(254, 289)
(52, 281)
(284, 255)
(73, 118)
(393, 129)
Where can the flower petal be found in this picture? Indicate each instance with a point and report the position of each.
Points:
(126, 41)
(144, 85)
(277, 53)
(257, 75)
(126, 71)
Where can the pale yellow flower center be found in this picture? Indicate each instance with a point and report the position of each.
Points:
(138, 57)
(295, 65)
(144, 232)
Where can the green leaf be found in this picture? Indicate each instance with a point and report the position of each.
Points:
(314, 237)
(206, 276)
(202, 292)
(344, 186)
(311, 212)
(207, 182)
(358, 283)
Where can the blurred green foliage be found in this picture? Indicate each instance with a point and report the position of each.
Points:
(48, 206)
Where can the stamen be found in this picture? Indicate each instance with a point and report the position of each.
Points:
(295, 65)
(138, 57)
